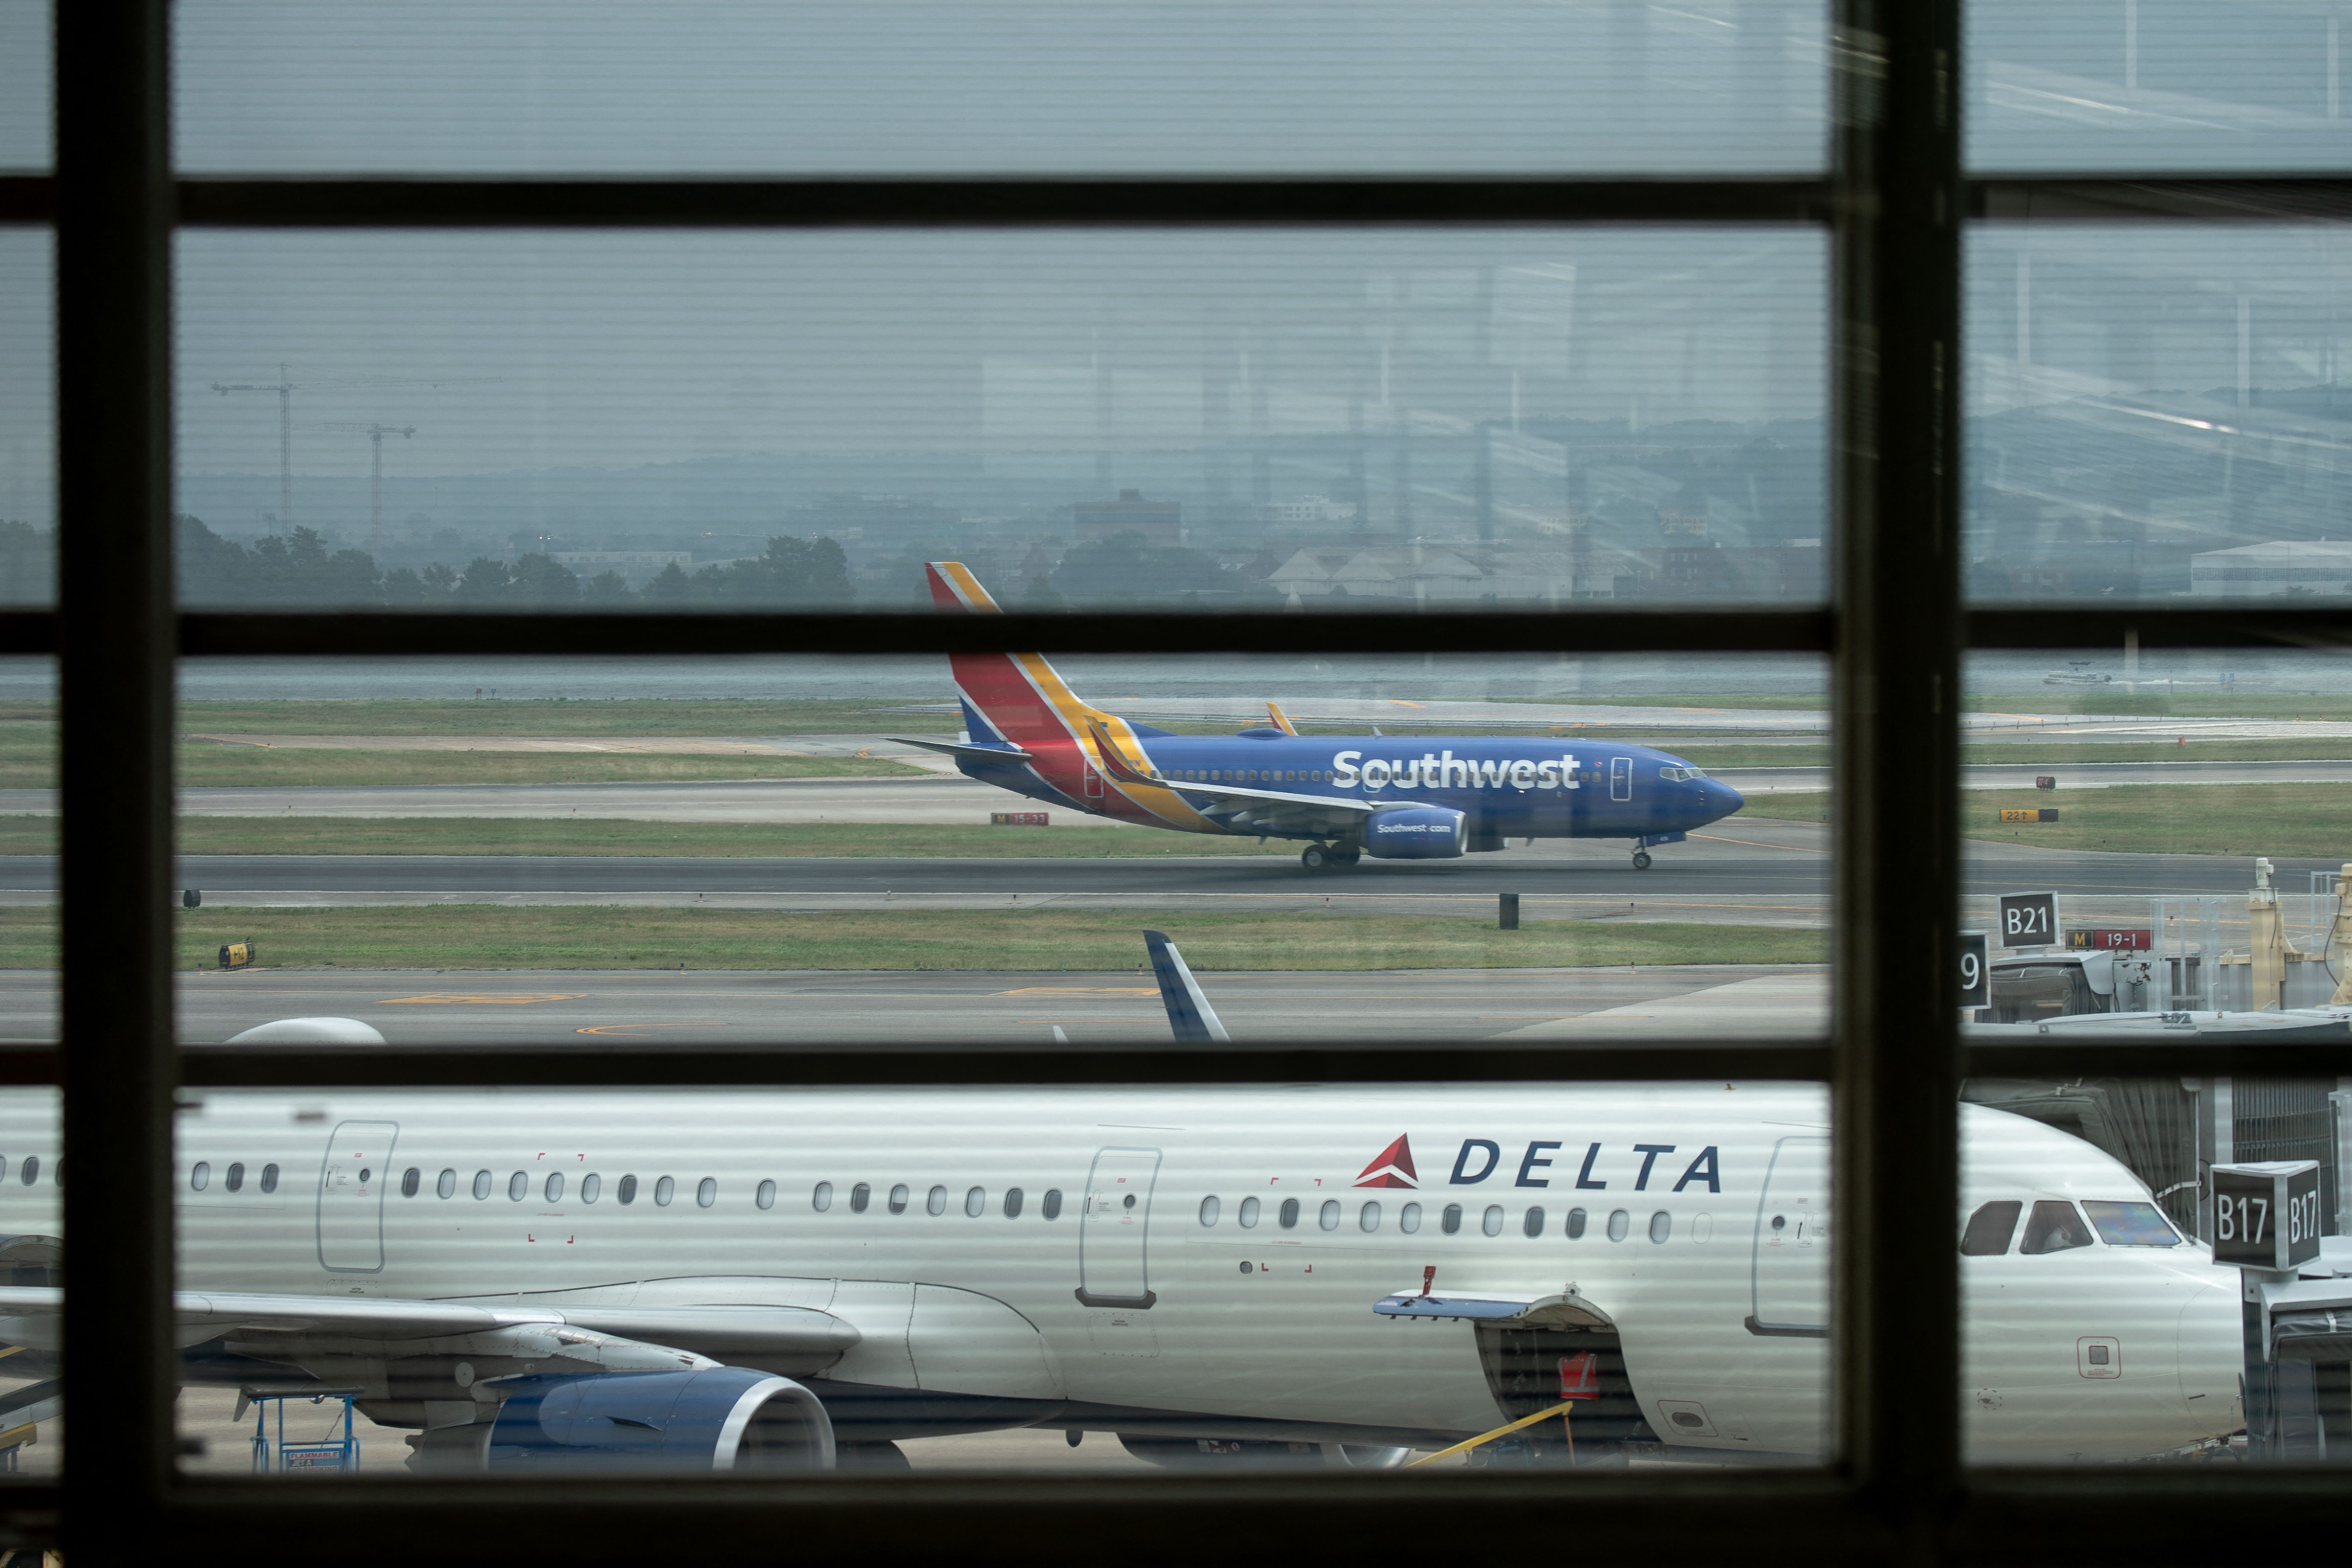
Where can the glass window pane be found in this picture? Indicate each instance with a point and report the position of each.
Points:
(2078, 1351)
(1435, 847)
(28, 863)
(2159, 85)
(27, 61)
(2182, 811)
(1011, 86)
(847, 1295)
(28, 487)
(1221, 420)
(2157, 412)
(32, 1263)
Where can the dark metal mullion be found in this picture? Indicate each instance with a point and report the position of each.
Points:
(2159, 1060)
(2109, 625)
(886, 1065)
(1896, 442)
(115, 633)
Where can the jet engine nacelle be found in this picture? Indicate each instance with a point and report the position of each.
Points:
(720, 1418)
(1415, 833)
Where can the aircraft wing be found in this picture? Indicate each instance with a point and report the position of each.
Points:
(1242, 809)
(29, 1316)
(1557, 1308)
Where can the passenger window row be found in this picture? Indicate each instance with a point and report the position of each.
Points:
(590, 1187)
(1250, 776)
(200, 1176)
(975, 1200)
(1369, 1219)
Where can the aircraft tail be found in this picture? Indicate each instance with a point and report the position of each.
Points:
(1190, 1016)
(1281, 720)
(1016, 697)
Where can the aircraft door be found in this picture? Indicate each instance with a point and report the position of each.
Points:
(351, 1196)
(1792, 1242)
(1112, 1268)
(1621, 778)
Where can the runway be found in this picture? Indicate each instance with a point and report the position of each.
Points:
(741, 1007)
(950, 798)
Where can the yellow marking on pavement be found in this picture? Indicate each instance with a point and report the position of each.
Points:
(1131, 1022)
(1401, 703)
(1081, 990)
(632, 1028)
(1751, 844)
(507, 998)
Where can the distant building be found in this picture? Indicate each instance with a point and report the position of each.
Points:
(1304, 509)
(1458, 574)
(2280, 566)
(1161, 522)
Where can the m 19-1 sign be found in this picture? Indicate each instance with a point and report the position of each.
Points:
(2266, 1214)
(2027, 920)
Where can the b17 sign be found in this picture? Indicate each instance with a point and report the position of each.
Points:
(2266, 1214)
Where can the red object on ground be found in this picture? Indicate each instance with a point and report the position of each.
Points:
(1580, 1375)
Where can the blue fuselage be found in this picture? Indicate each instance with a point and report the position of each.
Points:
(1507, 786)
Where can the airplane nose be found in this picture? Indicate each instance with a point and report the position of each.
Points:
(1724, 798)
(2211, 1358)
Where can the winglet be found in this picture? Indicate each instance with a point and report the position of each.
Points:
(1281, 720)
(1190, 1016)
(1114, 762)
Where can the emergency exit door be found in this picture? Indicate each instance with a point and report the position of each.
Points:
(1792, 1242)
(1113, 1229)
(1621, 778)
(351, 1196)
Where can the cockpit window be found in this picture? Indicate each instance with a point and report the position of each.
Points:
(2131, 1224)
(1682, 773)
(1989, 1229)
(2054, 1227)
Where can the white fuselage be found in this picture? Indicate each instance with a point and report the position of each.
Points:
(1139, 1293)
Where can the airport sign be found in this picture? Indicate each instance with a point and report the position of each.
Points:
(1976, 975)
(2027, 920)
(2266, 1214)
(2029, 814)
(2112, 938)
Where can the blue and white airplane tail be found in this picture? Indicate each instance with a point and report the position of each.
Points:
(1190, 1016)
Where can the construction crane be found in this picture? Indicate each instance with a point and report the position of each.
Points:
(375, 435)
(284, 388)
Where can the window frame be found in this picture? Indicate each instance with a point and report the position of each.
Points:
(1893, 204)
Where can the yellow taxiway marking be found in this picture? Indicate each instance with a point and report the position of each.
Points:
(503, 998)
(632, 1028)
(1081, 990)
(1751, 844)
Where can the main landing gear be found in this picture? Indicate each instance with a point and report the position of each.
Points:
(1641, 859)
(1329, 857)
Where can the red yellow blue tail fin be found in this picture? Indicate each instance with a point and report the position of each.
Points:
(1023, 696)
(1281, 720)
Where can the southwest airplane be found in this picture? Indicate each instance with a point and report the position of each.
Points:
(1350, 796)
(558, 1282)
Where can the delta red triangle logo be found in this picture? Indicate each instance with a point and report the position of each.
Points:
(1392, 1167)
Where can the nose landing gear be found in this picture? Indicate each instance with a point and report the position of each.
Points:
(1641, 859)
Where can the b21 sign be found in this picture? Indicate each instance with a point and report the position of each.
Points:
(2266, 1214)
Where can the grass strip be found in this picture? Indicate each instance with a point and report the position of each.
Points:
(614, 835)
(475, 936)
(2143, 819)
(201, 765)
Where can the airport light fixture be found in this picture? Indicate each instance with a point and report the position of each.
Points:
(1893, 206)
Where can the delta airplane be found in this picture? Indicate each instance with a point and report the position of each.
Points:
(1350, 796)
(542, 1281)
